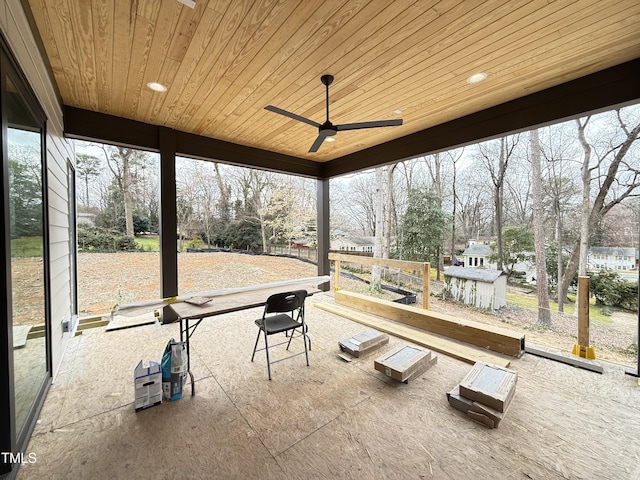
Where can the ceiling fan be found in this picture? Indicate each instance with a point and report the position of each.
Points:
(328, 129)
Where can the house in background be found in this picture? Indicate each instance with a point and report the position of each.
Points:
(353, 244)
(295, 243)
(482, 288)
(479, 240)
(611, 258)
(477, 255)
(86, 218)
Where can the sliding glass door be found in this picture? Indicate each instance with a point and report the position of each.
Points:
(25, 374)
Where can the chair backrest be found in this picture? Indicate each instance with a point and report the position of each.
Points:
(285, 301)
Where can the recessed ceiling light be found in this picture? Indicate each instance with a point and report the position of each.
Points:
(156, 87)
(188, 3)
(477, 78)
(329, 139)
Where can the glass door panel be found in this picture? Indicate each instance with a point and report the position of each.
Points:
(26, 225)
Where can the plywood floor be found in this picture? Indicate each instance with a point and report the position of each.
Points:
(331, 420)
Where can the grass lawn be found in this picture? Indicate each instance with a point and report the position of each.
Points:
(530, 302)
(148, 244)
(26, 247)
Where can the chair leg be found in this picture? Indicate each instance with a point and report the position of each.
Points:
(306, 329)
(256, 345)
(303, 334)
(304, 339)
(266, 349)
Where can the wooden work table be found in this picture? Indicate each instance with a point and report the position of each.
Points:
(190, 315)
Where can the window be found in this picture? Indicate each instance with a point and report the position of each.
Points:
(25, 372)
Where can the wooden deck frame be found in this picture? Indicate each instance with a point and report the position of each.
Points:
(450, 347)
(423, 267)
(492, 338)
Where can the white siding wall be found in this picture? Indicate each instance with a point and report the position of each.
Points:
(489, 296)
(16, 31)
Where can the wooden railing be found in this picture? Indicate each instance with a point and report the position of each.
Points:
(423, 267)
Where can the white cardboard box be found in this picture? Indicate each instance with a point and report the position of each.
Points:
(490, 385)
(477, 411)
(405, 362)
(148, 384)
(363, 343)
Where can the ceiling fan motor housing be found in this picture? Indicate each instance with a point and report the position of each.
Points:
(328, 129)
(326, 79)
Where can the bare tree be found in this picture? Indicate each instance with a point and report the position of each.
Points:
(434, 167)
(496, 157)
(383, 213)
(561, 190)
(615, 177)
(256, 187)
(518, 195)
(454, 157)
(224, 202)
(291, 210)
(473, 217)
(379, 205)
(120, 161)
(206, 184)
(87, 168)
(544, 313)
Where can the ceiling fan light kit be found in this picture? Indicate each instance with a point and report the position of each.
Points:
(328, 129)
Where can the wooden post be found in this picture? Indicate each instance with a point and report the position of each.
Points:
(583, 348)
(336, 280)
(583, 310)
(426, 289)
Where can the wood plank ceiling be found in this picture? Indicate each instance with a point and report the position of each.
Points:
(225, 60)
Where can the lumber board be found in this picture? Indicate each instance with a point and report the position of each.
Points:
(567, 359)
(383, 262)
(496, 339)
(440, 344)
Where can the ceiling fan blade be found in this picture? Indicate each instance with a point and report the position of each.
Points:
(375, 124)
(271, 108)
(317, 143)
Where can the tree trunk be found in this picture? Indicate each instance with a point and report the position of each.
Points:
(559, 257)
(544, 313)
(453, 214)
(498, 200)
(585, 211)
(437, 179)
(126, 189)
(388, 204)
(379, 223)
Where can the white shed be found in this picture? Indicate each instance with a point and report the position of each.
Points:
(482, 288)
(477, 255)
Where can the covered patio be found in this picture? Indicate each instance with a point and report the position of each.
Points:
(84, 70)
(332, 419)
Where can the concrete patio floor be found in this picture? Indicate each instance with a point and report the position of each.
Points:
(330, 420)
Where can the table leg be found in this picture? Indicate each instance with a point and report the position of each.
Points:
(193, 382)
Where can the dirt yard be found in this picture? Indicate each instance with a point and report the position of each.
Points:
(107, 279)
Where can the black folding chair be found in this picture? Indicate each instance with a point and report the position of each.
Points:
(283, 313)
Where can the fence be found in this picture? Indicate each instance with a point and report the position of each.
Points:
(308, 253)
(399, 265)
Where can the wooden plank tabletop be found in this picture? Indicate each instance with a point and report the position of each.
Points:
(233, 302)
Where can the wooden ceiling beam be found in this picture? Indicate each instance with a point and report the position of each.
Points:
(599, 91)
(99, 127)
